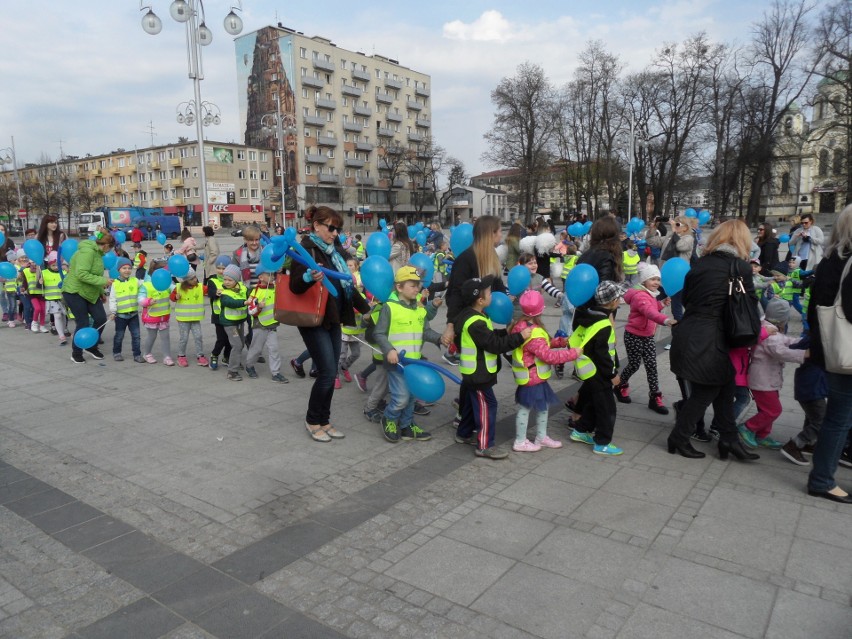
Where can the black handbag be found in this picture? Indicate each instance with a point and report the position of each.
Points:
(740, 318)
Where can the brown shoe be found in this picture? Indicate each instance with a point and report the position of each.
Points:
(792, 452)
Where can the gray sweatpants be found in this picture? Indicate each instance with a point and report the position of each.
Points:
(185, 328)
(814, 415)
(380, 387)
(151, 332)
(264, 337)
(237, 341)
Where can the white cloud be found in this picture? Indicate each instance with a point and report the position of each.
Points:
(491, 26)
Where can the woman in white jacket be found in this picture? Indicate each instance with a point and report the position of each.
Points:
(807, 242)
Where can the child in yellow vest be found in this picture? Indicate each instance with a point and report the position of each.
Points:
(55, 307)
(156, 312)
(233, 299)
(262, 311)
(124, 310)
(9, 292)
(188, 297)
(532, 366)
(33, 286)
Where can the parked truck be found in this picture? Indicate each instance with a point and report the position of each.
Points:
(127, 218)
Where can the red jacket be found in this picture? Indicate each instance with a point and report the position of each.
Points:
(644, 312)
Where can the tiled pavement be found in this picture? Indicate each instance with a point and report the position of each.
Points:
(141, 501)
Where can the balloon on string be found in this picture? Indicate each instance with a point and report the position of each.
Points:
(34, 250)
(419, 226)
(8, 271)
(423, 263)
(110, 258)
(575, 230)
(461, 238)
(587, 226)
(86, 337)
(673, 273)
(383, 224)
(421, 238)
(412, 231)
(268, 261)
(68, 248)
(120, 237)
(377, 277)
(161, 279)
(784, 239)
(378, 245)
(704, 217)
(581, 284)
(113, 273)
(425, 384)
(500, 308)
(519, 279)
(161, 238)
(690, 213)
(342, 238)
(178, 265)
(2, 238)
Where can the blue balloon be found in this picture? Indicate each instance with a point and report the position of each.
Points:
(86, 337)
(461, 238)
(412, 231)
(673, 273)
(377, 277)
(161, 238)
(383, 224)
(421, 238)
(178, 265)
(500, 308)
(587, 226)
(581, 284)
(2, 238)
(519, 279)
(8, 272)
(34, 250)
(424, 383)
(113, 273)
(161, 279)
(342, 238)
(110, 258)
(424, 263)
(704, 217)
(378, 245)
(784, 238)
(120, 237)
(268, 261)
(690, 213)
(68, 248)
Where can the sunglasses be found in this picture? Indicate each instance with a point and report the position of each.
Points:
(761, 230)
(331, 227)
(678, 224)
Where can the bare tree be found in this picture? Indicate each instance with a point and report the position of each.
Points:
(456, 176)
(392, 170)
(521, 135)
(425, 162)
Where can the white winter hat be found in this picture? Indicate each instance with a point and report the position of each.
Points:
(647, 271)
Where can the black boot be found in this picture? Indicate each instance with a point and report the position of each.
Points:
(655, 403)
(560, 371)
(736, 449)
(684, 450)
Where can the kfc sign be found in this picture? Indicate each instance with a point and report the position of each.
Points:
(235, 208)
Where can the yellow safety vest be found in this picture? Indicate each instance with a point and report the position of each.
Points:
(160, 307)
(405, 332)
(520, 371)
(631, 263)
(266, 296)
(52, 285)
(360, 251)
(190, 305)
(215, 304)
(568, 263)
(126, 296)
(584, 367)
(10, 286)
(467, 360)
(33, 287)
(237, 293)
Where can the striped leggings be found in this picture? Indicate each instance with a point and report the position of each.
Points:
(641, 350)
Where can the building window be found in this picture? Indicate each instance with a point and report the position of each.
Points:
(264, 175)
(307, 169)
(252, 156)
(252, 175)
(187, 193)
(243, 194)
(254, 194)
(241, 174)
(303, 52)
(264, 156)
(837, 162)
(822, 169)
(785, 183)
(241, 154)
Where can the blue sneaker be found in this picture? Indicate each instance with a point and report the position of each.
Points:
(747, 436)
(583, 438)
(609, 449)
(769, 442)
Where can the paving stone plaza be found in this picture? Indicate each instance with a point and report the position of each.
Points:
(140, 501)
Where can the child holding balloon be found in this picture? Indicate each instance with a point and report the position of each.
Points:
(124, 310)
(53, 296)
(156, 311)
(233, 298)
(536, 282)
(188, 297)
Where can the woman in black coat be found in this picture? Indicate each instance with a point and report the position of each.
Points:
(768, 244)
(699, 354)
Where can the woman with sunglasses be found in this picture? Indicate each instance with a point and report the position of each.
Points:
(806, 243)
(324, 341)
(768, 244)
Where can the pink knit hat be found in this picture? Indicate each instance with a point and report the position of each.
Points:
(532, 303)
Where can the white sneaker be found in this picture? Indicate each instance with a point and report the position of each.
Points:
(12, 324)
(667, 347)
(43, 329)
(34, 328)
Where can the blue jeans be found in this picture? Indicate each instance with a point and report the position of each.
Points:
(324, 348)
(83, 310)
(677, 305)
(9, 301)
(567, 316)
(833, 433)
(742, 397)
(28, 309)
(400, 408)
(127, 323)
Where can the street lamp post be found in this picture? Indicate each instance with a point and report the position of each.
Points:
(10, 159)
(281, 123)
(191, 12)
(632, 150)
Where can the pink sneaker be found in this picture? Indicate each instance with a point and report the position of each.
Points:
(347, 375)
(547, 442)
(150, 359)
(181, 361)
(525, 446)
(202, 361)
(168, 361)
(337, 384)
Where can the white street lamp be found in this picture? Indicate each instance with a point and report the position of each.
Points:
(282, 124)
(9, 158)
(191, 12)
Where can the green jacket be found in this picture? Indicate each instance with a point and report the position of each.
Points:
(86, 272)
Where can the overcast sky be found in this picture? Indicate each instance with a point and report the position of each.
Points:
(86, 77)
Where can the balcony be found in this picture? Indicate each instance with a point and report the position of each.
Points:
(358, 74)
(364, 146)
(381, 96)
(324, 103)
(176, 183)
(325, 140)
(423, 122)
(365, 181)
(353, 126)
(384, 132)
(415, 137)
(394, 84)
(384, 165)
(328, 178)
(348, 89)
(414, 105)
(311, 81)
(154, 184)
(313, 120)
(176, 162)
(315, 158)
(178, 201)
(325, 65)
(426, 186)
(95, 172)
(362, 110)
(422, 91)
(394, 150)
(399, 183)
(113, 170)
(155, 164)
(393, 117)
(354, 163)
(155, 202)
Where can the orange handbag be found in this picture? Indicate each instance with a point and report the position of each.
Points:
(306, 309)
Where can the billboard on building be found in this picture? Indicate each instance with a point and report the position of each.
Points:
(218, 154)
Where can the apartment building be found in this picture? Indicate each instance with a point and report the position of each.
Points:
(354, 128)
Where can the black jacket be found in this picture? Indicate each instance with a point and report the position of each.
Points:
(699, 351)
(603, 262)
(486, 340)
(464, 269)
(823, 292)
(337, 311)
(768, 256)
(597, 348)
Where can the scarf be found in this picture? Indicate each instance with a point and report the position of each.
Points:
(336, 260)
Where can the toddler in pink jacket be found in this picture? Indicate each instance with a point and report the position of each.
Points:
(532, 366)
(645, 315)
